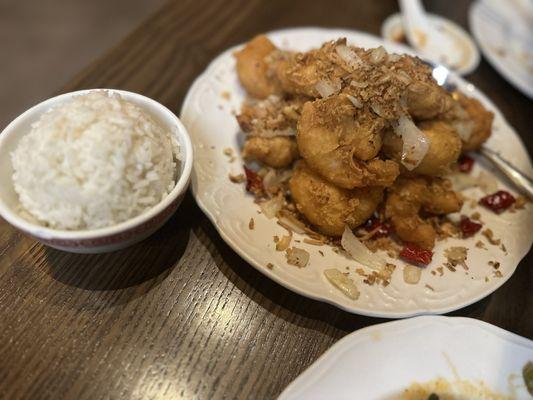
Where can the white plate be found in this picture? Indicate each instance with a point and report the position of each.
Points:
(380, 361)
(509, 50)
(209, 119)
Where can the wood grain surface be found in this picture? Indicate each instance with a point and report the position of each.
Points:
(180, 315)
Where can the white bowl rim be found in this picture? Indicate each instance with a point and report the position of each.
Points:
(181, 185)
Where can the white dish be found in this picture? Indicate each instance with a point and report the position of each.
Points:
(380, 361)
(209, 119)
(507, 48)
(104, 239)
(392, 29)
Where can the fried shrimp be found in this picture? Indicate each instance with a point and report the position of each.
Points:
(444, 148)
(328, 207)
(270, 128)
(426, 100)
(341, 142)
(481, 119)
(304, 73)
(276, 152)
(254, 69)
(408, 197)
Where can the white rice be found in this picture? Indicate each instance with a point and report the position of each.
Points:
(93, 162)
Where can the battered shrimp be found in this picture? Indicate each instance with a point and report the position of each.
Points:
(301, 73)
(270, 127)
(426, 100)
(341, 142)
(328, 207)
(481, 119)
(254, 69)
(444, 148)
(408, 197)
(276, 152)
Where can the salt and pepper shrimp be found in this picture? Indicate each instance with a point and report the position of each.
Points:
(407, 198)
(254, 69)
(340, 108)
(329, 207)
(444, 148)
(341, 142)
(276, 152)
(480, 119)
(270, 128)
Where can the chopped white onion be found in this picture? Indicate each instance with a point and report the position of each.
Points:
(411, 274)
(393, 57)
(326, 89)
(378, 55)
(292, 224)
(359, 252)
(464, 129)
(272, 207)
(360, 85)
(342, 282)
(349, 56)
(378, 110)
(355, 101)
(403, 77)
(298, 257)
(284, 243)
(415, 142)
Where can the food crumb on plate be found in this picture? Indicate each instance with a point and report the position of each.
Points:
(490, 237)
(481, 245)
(283, 243)
(240, 178)
(456, 255)
(270, 266)
(314, 242)
(296, 256)
(342, 282)
(251, 224)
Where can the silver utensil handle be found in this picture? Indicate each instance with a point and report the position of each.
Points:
(522, 182)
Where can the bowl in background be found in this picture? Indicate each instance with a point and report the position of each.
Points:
(103, 239)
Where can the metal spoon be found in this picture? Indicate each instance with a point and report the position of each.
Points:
(520, 180)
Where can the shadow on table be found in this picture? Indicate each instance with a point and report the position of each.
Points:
(283, 302)
(145, 264)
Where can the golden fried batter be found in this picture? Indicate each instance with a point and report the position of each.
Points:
(444, 148)
(276, 152)
(426, 100)
(328, 207)
(408, 197)
(482, 119)
(341, 142)
(270, 117)
(254, 70)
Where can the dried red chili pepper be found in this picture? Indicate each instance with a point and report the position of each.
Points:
(468, 227)
(498, 202)
(416, 254)
(465, 163)
(254, 183)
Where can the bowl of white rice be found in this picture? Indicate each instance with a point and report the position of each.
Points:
(94, 170)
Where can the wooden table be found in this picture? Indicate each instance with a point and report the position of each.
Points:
(180, 315)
